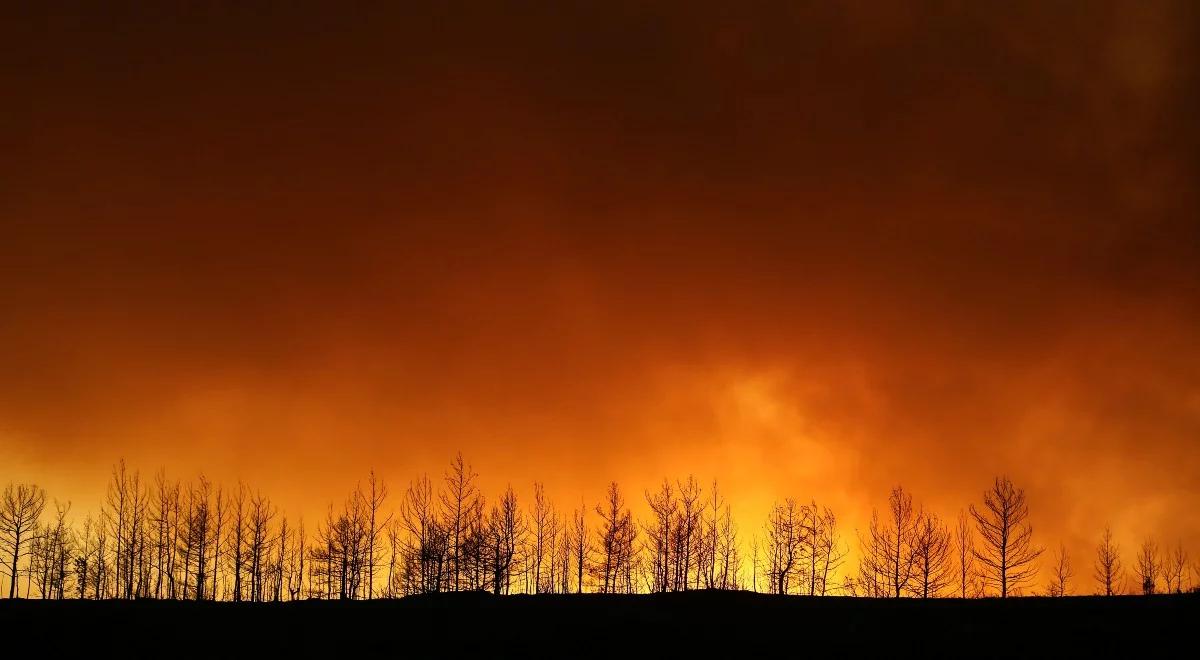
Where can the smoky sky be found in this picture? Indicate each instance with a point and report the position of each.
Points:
(812, 246)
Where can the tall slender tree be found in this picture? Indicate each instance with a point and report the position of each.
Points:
(237, 541)
(1008, 554)
(617, 536)
(543, 518)
(1174, 568)
(580, 545)
(1108, 570)
(374, 498)
(964, 554)
(459, 501)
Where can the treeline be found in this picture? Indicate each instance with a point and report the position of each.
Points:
(160, 538)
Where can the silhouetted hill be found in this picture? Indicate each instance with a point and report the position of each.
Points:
(699, 624)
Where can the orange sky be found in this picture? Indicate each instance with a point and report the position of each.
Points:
(806, 251)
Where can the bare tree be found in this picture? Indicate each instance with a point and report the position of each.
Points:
(1148, 566)
(931, 557)
(299, 552)
(101, 576)
(218, 524)
(340, 554)
(1062, 572)
(196, 539)
(821, 550)
(260, 540)
(20, 514)
(889, 563)
(563, 550)
(754, 564)
(685, 549)
(810, 554)
(617, 537)
(964, 552)
(1174, 568)
(136, 567)
(83, 559)
(728, 560)
(121, 515)
(506, 529)
(374, 499)
(658, 537)
(322, 574)
(475, 550)
(164, 494)
(279, 576)
(711, 545)
(458, 501)
(425, 555)
(1108, 570)
(125, 513)
(784, 537)
(61, 551)
(396, 555)
(1008, 555)
(581, 547)
(543, 526)
(552, 561)
(237, 542)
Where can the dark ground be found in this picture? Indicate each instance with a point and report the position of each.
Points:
(699, 624)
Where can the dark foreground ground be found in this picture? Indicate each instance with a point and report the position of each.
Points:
(695, 624)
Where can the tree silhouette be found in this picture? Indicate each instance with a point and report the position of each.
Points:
(931, 557)
(728, 562)
(1174, 568)
(49, 554)
(373, 499)
(617, 537)
(277, 564)
(163, 521)
(1148, 566)
(563, 551)
(218, 526)
(425, 555)
(196, 542)
(83, 560)
(581, 547)
(261, 539)
(784, 538)
(964, 554)
(506, 531)
(20, 512)
(1007, 554)
(1062, 572)
(238, 540)
(821, 548)
(889, 560)
(544, 533)
(711, 537)
(1108, 570)
(297, 557)
(460, 503)
(125, 513)
(658, 537)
